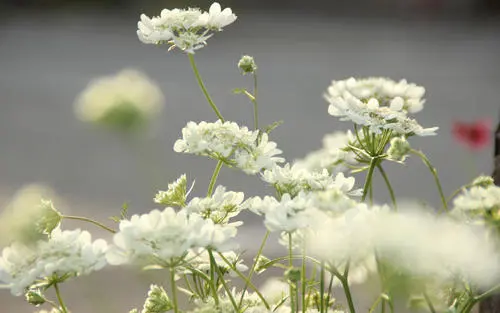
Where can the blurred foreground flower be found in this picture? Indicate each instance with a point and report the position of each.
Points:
(475, 135)
(125, 101)
(29, 216)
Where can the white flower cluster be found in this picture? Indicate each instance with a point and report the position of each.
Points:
(123, 101)
(478, 198)
(294, 178)
(251, 303)
(236, 146)
(164, 237)
(331, 156)
(219, 207)
(175, 194)
(65, 253)
(378, 103)
(187, 29)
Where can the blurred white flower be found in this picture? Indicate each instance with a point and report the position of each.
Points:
(478, 198)
(186, 29)
(164, 237)
(417, 243)
(219, 207)
(331, 156)
(234, 145)
(28, 216)
(70, 253)
(123, 101)
(378, 103)
(251, 303)
(275, 290)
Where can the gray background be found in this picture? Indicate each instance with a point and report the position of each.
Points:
(47, 57)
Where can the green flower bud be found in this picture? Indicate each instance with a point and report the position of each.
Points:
(262, 264)
(157, 301)
(293, 274)
(247, 65)
(35, 297)
(399, 149)
(49, 218)
(483, 181)
(175, 195)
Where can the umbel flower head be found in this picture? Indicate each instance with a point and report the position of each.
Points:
(379, 104)
(125, 101)
(247, 65)
(186, 29)
(65, 254)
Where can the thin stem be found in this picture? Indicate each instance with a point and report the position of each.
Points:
(223, 281)
(88, 220)
(174, 290)
(375, 304)
(389, 187)
(321, 289)
(433, 171)
(213, 266)
(252, 270)
(64, 309)
(214, 178)
(290, 265)
(369, 177)
(255, 105)
(303, 280)
(203, 88)
(429, 303)
(245, 279)
(488, 293)
(348, 294)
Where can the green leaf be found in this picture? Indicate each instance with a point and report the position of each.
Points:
(272, 126)
(123, 214)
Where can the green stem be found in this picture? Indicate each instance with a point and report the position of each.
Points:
(213, 266)
(88, 220)
(252, 270)
(433, 171)
(214, 178)
(369, 177)
(375, 304)
(255, 105)
(429, 303)
(290, 265)
(174, 290)
(64, 309)
(321, 289)
(303, 280)
(245, 279)
(389, 187)
(223, 281)
(348, 295)
(488, 293)
(203, 88)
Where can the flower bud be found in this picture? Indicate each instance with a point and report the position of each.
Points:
(483, 181)
(49, 218)
(35, 297)
(293, 274)
(247, 65)
(157, 301)
(399, 149)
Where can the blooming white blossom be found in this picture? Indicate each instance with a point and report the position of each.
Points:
(378, 103)
(164, 237)
(219, 207)
(123, 101)
(478, 198)
(331, 156)
(417, 243)
(187, 29)
(236, 146)
(65, 253)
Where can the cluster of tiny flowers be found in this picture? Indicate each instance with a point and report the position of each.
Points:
(123, 101)
(478, 198)
(251, 303)
(294, 178)
(378, 103)
(332, 156)
(199, 259)
(164, 237)
(186, 29)
(65, 253)
(219, 207)
(234, 145)
(175, 194)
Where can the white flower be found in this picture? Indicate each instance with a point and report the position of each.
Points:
(163, 238)
(65, 253)
(200, 260)
(331, 156)
(275, 290)
(251, 303)
(236, 146)
(123, 101)
(418, 243)
(219, 207)
(379, 104)
(186, 29)
(176, 193)
(478, 198)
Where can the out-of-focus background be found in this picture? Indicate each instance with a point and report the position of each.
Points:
(51, 49)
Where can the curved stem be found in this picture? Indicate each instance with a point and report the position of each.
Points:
(433, 171)
(203, 88)
(429, 303)
(369, 177)
(223, 281)
(255, 105)
(245, 279)
(214, 178)
(389, 187)
(174, 290)
(88, 220)
(348, 294)
(213, 266)
(252, 270)
(290, 265)
(321, 289)
(64, 309)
